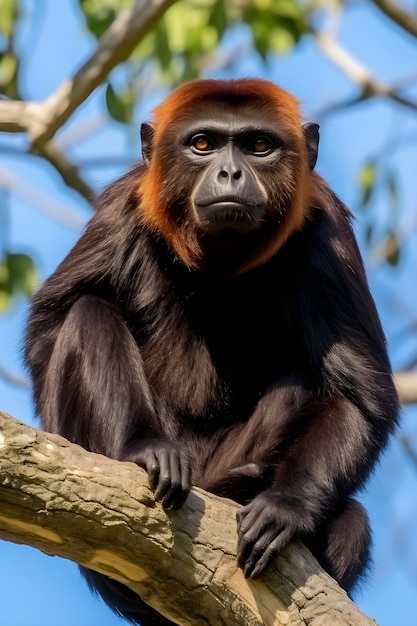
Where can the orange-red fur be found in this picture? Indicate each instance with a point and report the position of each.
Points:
(183, 235)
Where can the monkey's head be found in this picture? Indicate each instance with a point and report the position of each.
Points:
(228, 172)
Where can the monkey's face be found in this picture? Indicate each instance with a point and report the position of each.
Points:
(227, 171)
(230, 156)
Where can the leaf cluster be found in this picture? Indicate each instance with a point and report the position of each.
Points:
(183, 41)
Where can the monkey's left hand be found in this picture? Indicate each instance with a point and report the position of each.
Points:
(265, 527)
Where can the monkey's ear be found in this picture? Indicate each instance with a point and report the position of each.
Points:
(311, 134)
(146, 135)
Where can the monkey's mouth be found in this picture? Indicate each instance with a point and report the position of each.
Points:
(235, 202)
(230, 212)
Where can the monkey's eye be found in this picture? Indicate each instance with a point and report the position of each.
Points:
(201, 143)
(261, 146)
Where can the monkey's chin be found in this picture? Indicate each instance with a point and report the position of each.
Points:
(223, 217)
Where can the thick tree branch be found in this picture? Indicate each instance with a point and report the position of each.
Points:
(17, 116)
(42, 119)
(398, 14)
(115, 46)
(100, 513)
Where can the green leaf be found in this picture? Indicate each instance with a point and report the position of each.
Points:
(367, 180)
(17, 275)
(5, 285)
(8, 14)
(99, 14)
(276, 24)
(22, 273)
(393, 193)
(162, 46)
(5, 299)
(393, 245)
(218, 17)
(8, 67)
(281, 40)
(120, 105)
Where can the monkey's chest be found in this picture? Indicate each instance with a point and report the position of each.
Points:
(216, 365)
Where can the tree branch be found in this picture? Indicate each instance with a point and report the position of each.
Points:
(100, 513)
(115, 46)
(42, 119)
(406, 383)
(41, 201)
(403, 18)
(14, 379)
(67, 170)
(358, 74)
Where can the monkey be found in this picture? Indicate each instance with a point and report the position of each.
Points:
(214, 325)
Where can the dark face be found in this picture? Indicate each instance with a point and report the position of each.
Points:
(240, 161)
(230, 153)
(230, 150)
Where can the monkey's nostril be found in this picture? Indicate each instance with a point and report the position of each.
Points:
(224, 174)
(237, 175)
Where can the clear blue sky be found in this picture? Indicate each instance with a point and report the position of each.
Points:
(36, 590)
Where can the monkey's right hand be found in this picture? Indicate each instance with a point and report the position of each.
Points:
(169, 469)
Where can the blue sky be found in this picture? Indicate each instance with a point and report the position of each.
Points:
(36, 590)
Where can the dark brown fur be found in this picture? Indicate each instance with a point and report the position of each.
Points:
(279, 368)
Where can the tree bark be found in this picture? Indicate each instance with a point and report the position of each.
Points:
(71, 503)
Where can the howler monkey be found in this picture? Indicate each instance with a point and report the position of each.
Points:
(214, 325)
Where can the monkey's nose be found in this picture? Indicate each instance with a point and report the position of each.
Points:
(226, 175)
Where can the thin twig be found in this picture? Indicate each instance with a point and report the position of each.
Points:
(358, 74)
(67, 170)
(41, 201)
(13, 379)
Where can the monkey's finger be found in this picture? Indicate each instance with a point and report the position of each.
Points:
(264, 552)
(152, 467)
(180, 483)
(248, 517)
(164, 478)
(175, 494)
(249, 539)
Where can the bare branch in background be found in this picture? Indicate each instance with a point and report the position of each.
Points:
(41, 201)
(406, 383)
(81, 130)
(67, 170)
(41, 120)
(114, 47)
(358, 74)
(13, 379)
(398, 14)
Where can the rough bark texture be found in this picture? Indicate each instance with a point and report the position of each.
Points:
(68, 502)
